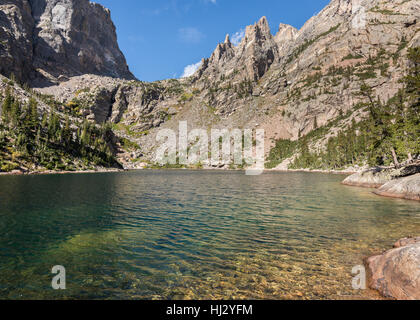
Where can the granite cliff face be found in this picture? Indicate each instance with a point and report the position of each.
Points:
(16, 26)
(288, 84)
(53, 40)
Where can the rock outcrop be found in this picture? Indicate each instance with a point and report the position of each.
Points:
(392, 182)
(53, 40)
(396, 273)
(16, 41)
(250, 60)
(404, 188)
(371, 178)
(285, 36)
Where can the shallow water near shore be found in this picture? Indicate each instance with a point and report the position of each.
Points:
(192, 235)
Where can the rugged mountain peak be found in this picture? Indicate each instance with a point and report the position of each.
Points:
(285, 35)
(250, 60)
(263, 24)
(257, 51)
(49, 39)
(223, 53)
(76, 33)
(260, 31)
(340, 8)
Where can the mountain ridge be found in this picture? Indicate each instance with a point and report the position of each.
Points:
(291, 84)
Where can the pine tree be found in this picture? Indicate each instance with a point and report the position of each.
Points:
(34, 116)
(7, 105)
(85, 138)
(67, 131)
(16, 112)
(412, 83)
(2, 139)
(22, 142)
(38, 136)
(53, 126)
(44, 121)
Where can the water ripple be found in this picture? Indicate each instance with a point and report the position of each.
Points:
(192, 234)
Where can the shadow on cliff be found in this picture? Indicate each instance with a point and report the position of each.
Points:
(57, 59)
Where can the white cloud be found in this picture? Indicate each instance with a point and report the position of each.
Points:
(191, 69)
(135, 38)
(237, 37)
(190, 35)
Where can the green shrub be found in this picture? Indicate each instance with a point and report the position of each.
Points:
(9, 166)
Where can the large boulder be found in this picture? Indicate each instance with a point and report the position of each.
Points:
(396, 273)
(402, 182)
(405, 188)
(372, 178)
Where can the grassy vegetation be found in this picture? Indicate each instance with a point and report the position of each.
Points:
(128, 145)
(295, 54)
(282, 150)
(386, 12)
(186, 97)
(244, 88)
(352, 56)
(128, 130)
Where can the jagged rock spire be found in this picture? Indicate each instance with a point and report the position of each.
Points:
(260, 30)
(252, 57)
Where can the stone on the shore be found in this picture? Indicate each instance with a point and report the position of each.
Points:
(396, 273)
(372, 178)
(401, 182)
(405, 188)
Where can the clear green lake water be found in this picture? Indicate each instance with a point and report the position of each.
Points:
(192, 235)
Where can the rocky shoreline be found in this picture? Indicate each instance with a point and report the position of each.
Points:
(101, 170)
(403, 183)
(396, 272)
(342, 172)
(46, 172)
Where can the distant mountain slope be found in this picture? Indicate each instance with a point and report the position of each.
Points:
(39, 134)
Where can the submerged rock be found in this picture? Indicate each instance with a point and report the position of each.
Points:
(396, 273)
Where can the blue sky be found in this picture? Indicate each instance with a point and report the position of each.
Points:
(161, 37)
